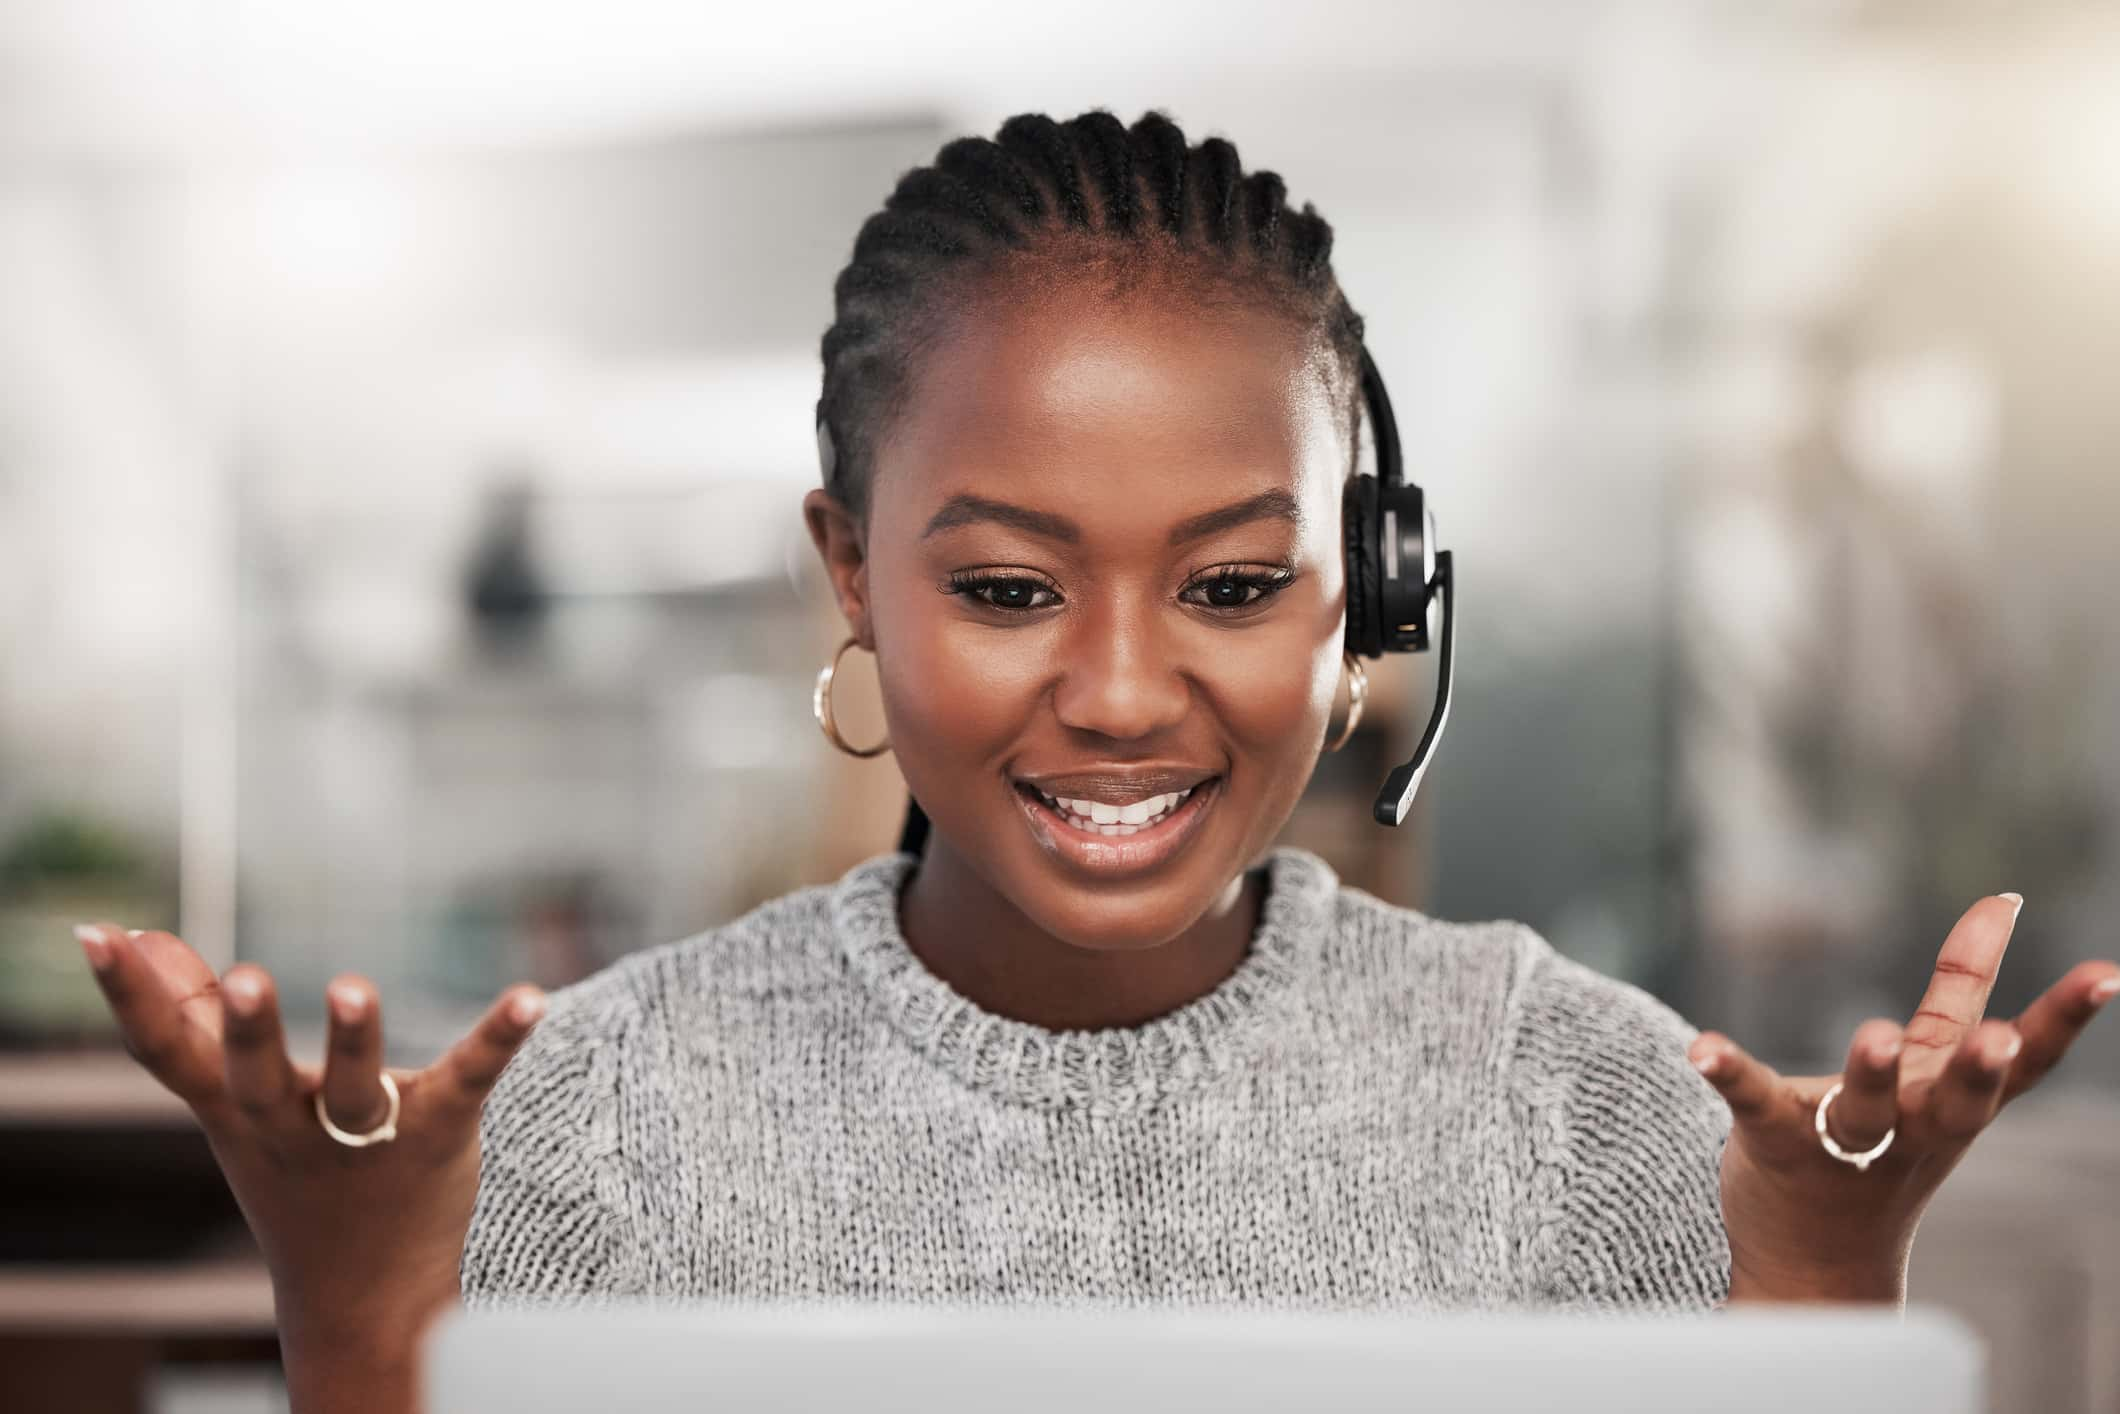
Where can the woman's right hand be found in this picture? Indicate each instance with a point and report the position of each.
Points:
(363, 1244)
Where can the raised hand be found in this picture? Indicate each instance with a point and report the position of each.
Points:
(1805, 1225)
(363, 1243)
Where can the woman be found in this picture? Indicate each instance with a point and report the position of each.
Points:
(1089, 403)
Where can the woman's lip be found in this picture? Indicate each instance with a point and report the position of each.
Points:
(1145, 849)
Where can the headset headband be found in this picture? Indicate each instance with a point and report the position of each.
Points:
(1383, 427)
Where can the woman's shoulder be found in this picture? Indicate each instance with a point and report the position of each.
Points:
(1375, 948)
(1571, 1010)
(1625, 1141)
(1606, 1050)
(1504, 957)
(708, 985)
(785, 943)
(1620, 1137)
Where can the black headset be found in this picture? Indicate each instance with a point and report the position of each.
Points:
(1400, 596)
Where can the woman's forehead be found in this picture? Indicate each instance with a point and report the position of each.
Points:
(1078, 400)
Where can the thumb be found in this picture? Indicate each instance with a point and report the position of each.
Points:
(1750, 1087)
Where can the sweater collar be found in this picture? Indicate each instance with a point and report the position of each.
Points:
(1111, 1070)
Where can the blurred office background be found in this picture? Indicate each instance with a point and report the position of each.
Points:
(404, 410)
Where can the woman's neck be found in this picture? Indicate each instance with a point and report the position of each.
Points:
(990, 952)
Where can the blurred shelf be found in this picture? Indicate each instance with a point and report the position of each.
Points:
(221, 1296)
(67, 1089)
(109, 1090)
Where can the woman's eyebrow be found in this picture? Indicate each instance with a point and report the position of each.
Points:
(966, 509)
(1267, 505)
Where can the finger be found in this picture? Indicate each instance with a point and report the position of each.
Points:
(470, 1067)
(1958, 988)
(1966, 1096)
(353, 1055)
(189, 979)
(1867, 1107)
(151, 1024)
(261, 1078)
(2051, 1024)
(186, 974)
(1752, 1089)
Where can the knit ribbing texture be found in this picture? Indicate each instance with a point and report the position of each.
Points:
(1375, 1110)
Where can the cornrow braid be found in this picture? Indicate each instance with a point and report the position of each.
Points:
(1033, 191)
(1222, 172)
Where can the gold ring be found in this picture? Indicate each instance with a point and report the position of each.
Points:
(381, 1134)
(1862, 1160)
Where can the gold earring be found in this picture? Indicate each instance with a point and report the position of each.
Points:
(1357, 693)
(821, 709)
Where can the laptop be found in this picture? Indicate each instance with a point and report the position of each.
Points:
(753, 1359)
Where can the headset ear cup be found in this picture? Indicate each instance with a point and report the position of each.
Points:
(1358, 526)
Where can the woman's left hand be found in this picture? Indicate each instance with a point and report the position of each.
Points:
(1805, 1226)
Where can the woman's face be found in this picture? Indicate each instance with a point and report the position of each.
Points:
(1102, 572)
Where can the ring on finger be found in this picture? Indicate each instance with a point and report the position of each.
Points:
(381, 1134)
(1862, 1160)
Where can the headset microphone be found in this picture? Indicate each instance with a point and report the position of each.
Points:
(1400, 594)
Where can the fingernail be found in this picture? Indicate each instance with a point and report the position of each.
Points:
(1888, 1053)
(2007, 1052)
(242, 992)
(94, 944)
(348, 1004)
(1708, 1063)
(2017, 899)
(2105, 991)
(527, 1009)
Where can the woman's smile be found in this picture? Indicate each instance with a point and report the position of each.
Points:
(1112, 823)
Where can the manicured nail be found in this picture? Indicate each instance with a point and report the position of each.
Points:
(348, 1004)
(94, 944)
(243, 993)
(526, 1009)
(2016, 899)
(2105, 991)
(1708, 1064)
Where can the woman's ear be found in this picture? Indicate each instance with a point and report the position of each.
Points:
(840, 545)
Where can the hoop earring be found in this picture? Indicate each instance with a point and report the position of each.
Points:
(821, 709)
(1357, 694)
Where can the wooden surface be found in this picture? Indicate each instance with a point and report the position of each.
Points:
(229, 1296)
(84, 1089)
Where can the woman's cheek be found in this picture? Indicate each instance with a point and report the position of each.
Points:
(1272, 711)
(963, 687)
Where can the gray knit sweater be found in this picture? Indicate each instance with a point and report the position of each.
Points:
(1376, 1109)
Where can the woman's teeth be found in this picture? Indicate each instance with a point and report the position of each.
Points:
(1098, 818)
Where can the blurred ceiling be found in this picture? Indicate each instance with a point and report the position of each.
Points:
(176, 78)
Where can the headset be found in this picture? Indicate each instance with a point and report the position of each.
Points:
(1400, 594)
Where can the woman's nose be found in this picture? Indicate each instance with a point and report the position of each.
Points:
(1121, 679)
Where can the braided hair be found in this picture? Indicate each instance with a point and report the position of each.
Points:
(1045, 201)
(1043, 204)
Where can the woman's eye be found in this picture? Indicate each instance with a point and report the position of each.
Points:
(1229, 593)
(1234, 591)
(1007, 592)
(1014, 594)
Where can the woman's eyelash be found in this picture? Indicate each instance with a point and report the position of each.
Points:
(1257, 586)
(1022, 593)
(998, 591)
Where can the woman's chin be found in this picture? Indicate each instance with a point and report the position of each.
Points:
(1133, 915)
